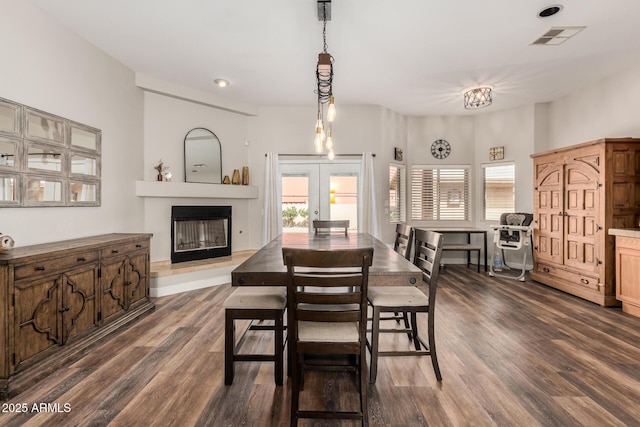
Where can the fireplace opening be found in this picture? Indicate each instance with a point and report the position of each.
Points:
(200, 232)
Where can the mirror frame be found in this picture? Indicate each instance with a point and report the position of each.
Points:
(217, 151)
(58, 140)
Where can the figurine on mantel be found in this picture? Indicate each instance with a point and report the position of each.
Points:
(6, 242)
(162, 171)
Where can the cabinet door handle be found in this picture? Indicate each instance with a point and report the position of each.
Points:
(138, 245)
(81, 259)
(63, 309)
(114, 251)
(127, 283)
(40, 268)
(584, 281)
(546, 270)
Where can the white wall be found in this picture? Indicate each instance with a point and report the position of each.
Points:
(48, 67)
(167, 120)
(356, 129)
(608, 108)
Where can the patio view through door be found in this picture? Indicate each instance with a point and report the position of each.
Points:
(318, 190)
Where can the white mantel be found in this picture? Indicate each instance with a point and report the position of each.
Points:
(195, 190)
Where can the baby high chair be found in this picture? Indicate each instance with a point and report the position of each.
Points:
(513, 234)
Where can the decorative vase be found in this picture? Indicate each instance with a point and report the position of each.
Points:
(245, 175)
(226, 180)
(160, 178)
(236, 177)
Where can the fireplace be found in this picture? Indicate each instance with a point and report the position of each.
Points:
(200, 232)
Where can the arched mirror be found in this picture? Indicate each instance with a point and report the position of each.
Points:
(202, 157)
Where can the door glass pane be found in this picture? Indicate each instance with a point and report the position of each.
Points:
(295, 204)
(343, 199)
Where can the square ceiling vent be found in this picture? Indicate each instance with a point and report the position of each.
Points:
(558, 35)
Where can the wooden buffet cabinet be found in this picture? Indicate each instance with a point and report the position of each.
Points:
(580, 192)
(58, 299)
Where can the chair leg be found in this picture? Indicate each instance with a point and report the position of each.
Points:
(229, 347)
(432, 347)
(278, 349)
(414, 324)
(295, 390)
(363, 387)
(375, 335)
(405, 317)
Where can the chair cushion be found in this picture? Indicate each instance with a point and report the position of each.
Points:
(397, 296)
(327, 332)
(258, 297)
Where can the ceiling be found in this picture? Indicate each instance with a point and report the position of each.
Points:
(414, 57)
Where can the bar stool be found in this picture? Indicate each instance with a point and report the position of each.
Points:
(254, 303)
(410, 299)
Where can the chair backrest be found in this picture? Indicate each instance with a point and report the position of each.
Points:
(428, 251)
(517, 219)
(404, 240)
(327, 286)
(319, 225)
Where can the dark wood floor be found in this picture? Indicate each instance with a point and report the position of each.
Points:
(511, 354)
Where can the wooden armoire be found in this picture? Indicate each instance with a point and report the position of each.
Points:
(580, 192)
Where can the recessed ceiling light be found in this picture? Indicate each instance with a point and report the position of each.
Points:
(550, 10)
(221, 82)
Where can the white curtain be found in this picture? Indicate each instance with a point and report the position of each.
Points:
(369, 219)
(272, 217)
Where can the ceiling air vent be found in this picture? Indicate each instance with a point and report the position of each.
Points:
(558, 35)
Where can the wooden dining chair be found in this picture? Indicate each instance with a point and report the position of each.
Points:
(409, 299)
(327, 312)
(254, 303)
(403, 245)
(325, 226)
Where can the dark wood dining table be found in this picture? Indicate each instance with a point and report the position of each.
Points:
(266, 266)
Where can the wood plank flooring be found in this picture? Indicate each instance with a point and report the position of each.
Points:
(511, 354)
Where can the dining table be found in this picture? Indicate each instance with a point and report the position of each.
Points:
(266, 266)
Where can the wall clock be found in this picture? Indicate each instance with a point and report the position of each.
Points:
(440, 149)
(496, 153)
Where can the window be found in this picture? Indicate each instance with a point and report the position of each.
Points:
(397, 194)
(440, 194)
(499, 190)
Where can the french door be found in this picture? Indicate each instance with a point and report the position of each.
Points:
(318, 190)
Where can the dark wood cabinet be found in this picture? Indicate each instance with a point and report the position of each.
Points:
(59, 298)
(579, 193)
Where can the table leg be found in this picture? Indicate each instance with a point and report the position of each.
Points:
(485, 251)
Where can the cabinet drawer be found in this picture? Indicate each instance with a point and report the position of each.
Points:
(53, 265)
(580, 279)
(124, 248)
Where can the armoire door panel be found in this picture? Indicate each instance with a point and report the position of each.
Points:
(621, 193)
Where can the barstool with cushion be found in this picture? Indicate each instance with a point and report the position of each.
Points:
(410, 299)
(254, 303)
(403, 245)
(327, 310)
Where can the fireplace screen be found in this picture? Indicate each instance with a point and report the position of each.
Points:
(200, 232)
(193, 235)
